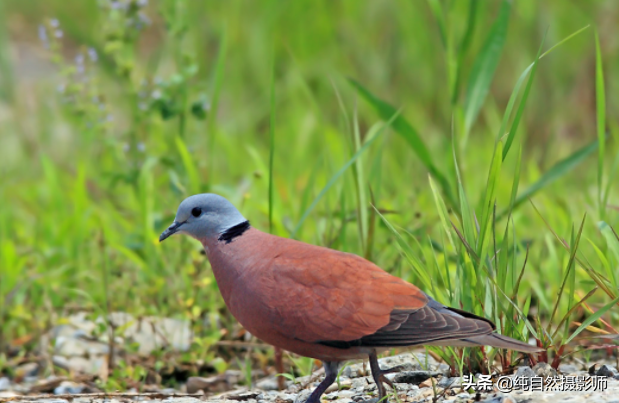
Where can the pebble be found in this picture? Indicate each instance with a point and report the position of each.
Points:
(447, 382)
(414, 377)
(269, 383)
(29, 369)
(5, 384)
(525, 372)
(544, 370)
(607, 370)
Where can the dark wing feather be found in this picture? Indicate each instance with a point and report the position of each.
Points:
(431, 323)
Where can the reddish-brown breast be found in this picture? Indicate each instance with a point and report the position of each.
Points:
(293, 294)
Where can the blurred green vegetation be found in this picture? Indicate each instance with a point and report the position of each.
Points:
(112, 112)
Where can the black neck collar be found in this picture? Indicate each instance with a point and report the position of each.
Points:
(233, 232)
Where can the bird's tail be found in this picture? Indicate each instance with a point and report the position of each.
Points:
(491, 339)
(500, 341)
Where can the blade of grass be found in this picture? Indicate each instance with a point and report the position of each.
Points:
(596, 277)
(597, 315)
(339, 173)
(362, 211)
(523, 101)
(570, 267)
(406, 130)
(572, 309)
(408, 252)
(190, 167)
(442, 212)
(437, 10)
(600, 107)
(557, 171)
(489, 196)
(485, 65)
(467, 221)
(271, 145)
(464, 46)
(216, 82)
(613, 244)
(516, 90)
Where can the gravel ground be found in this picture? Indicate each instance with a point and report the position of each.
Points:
(414, 381)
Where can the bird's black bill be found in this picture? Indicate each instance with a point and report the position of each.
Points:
(171, 230)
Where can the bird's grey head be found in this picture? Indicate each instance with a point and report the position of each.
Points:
(205, 216)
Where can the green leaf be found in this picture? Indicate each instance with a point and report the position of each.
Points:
(271, 144)
(406, 130)
(485, 66)
(341, 171)
(598, 314)
(557, 171)
(190, 167)
(613, 245)
(523, 101)
(600, 106)
(516, 90)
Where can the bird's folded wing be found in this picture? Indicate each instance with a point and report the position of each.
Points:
(338, 299)
(322, 295)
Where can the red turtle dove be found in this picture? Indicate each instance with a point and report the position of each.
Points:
(319, 302)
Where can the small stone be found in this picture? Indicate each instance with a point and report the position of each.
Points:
(332, 388)
(568, 368)
(427, 383)
(346, 393)
(608, 371)
(592, 370)
(544, 370)
(303, 396)
(27, 370)
(245, 396)
(5, 384)
(444, 369)
(47, 385)
(447, 382)
(359, 383)
(349, 373)
(68, 388)
(414, 377)
(217, 383)
(525, 372)
(269, 383)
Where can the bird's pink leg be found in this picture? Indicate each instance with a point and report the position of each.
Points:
(379, 377)
(330, 376)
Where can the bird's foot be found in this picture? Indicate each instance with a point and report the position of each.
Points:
(379, 378)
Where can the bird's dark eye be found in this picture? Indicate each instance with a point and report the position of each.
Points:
(196, 211)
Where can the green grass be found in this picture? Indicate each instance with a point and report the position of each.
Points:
(412, 133)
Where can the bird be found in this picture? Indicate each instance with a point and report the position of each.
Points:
(319, 302)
